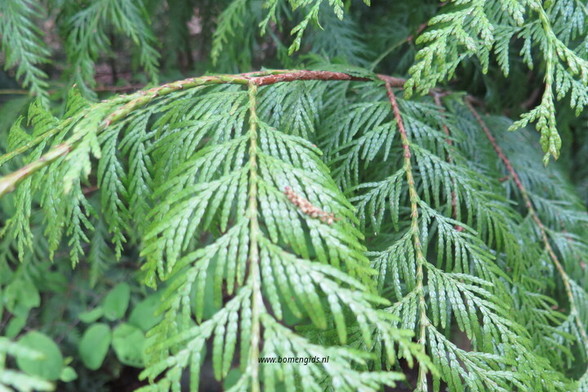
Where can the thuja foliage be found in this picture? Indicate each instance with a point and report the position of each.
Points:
(412, 233)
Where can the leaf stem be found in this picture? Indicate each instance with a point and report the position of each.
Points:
(254, 275)
(414, 228)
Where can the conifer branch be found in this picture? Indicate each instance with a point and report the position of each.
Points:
(574, 311)
(252, 215)
(10, 181)
(35, 142)
(20, 41)
(461, 266)
(277, 264)
(300, 213)
(130, 103)
(414, 228)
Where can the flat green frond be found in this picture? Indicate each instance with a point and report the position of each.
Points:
(476, 29)
(311, 9)
(445, 268)
(87, 38)
(323, 195)
(291, 215)
(22, 45)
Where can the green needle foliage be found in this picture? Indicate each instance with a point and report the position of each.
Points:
(201, 228)
(22, 45)
(87, 30)
(478, 28)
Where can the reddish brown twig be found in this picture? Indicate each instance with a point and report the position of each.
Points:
(90, 189)
(392, 81)
(303, 75)
(398, 118)
(500, 154)
(420, 29)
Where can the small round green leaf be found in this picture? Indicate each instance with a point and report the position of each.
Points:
(129, 343)
(15, 325)
(143, 314)
(116, 301)
(50, 365)
(68, 374)
(94, 345)
(21, 292)
(91, 315)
